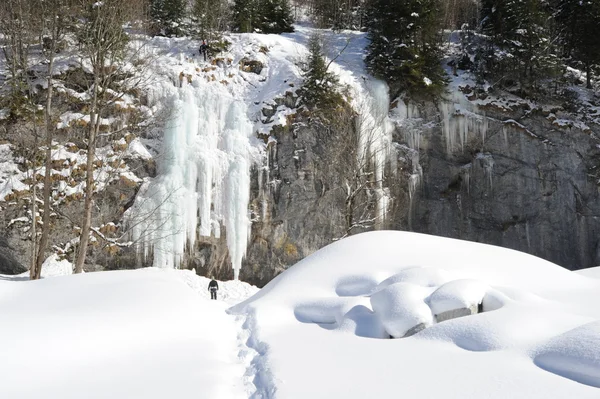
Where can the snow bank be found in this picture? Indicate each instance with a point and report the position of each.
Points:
(386, 283)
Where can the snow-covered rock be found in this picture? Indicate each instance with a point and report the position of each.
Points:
(402, 309)
(457, 298)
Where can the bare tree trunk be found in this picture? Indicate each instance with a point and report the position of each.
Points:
(89, 181)
(48, 164)
(32, 268)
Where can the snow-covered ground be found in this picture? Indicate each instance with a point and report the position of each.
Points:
(317, 324)
(319, 330)
(147, 333)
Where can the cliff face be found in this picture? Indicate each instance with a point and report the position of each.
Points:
(507, 176)
(530, 185)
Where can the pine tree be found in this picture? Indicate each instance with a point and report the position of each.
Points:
(579, 27)
(266, 16)
(320, 88)
(275, 17)
(244, 15)
(212, 17)
(520, 49)
(404, 48)
(167, 15)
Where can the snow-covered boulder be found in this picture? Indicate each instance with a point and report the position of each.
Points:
(402, 309)
(457, 298)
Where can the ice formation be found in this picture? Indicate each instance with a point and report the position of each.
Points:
(460, 118)
(203, 181)
(375, 137)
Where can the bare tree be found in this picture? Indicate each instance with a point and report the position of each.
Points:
(104, 46)
(53, 18)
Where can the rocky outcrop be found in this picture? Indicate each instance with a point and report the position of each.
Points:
(8, 263)
(527, 184)
(508, 176)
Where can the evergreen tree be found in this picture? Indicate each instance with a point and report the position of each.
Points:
(320, 88)
(579, 27)
(405, 44)
(519, 49)
(212, 17)
(244, 15)
(266, 16)
(275, 16)
(167, 16)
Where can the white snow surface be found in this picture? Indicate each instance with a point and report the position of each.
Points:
(312, 323)
(318, 330)
(147, 333)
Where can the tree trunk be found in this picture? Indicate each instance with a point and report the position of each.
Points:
(89, 181)
(48, 164)
(32, 268)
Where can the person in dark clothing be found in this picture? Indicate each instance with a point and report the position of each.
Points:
(213, 287)
(203, 49)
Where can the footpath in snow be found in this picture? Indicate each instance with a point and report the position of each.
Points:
(147, 333)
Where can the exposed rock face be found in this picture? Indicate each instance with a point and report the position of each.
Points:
(455, 313)
(528, 185)
(8, 263)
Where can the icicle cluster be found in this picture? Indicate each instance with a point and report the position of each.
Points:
(203, 180)
(460, 119)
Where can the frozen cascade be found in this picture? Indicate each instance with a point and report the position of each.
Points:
(375, 138)
(461, 118)
(408, 120)
(203, 178)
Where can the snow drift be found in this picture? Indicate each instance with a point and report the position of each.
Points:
(511, 311)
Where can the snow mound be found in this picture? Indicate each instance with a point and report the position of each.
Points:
(402, 309)
(574, 355)
(392, 283)
(53, 266)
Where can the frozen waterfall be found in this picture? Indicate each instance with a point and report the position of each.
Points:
(203, 179)
(375, 138)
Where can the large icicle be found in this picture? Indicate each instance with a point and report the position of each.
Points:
(203, 179)
(460, 119)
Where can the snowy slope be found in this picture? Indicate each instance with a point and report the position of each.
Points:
(314, 321)
(126, 334)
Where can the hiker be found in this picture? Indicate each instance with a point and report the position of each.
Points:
(203, 49)
(213, 286)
